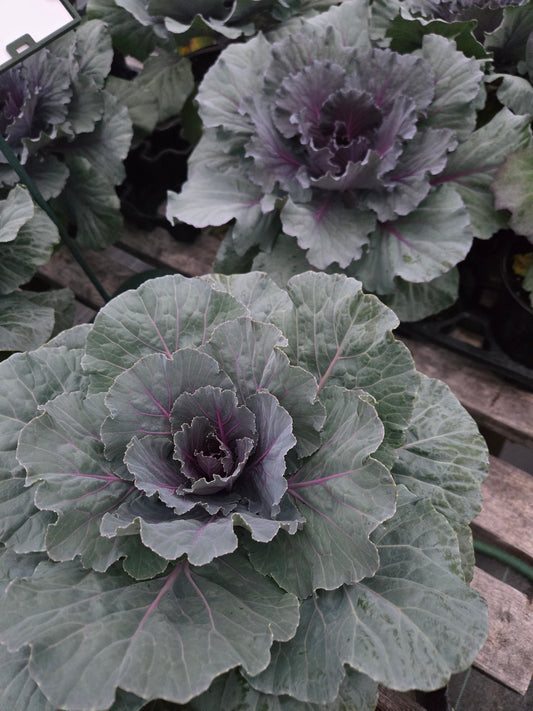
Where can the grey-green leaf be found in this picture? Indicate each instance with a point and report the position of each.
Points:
(410, 626)
(343, 494)
(145, 637)
(160, 316)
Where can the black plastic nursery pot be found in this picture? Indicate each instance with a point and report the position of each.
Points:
(487, 323)
(159, 164)
(513, 315)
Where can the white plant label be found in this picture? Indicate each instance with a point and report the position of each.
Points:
(27, 25)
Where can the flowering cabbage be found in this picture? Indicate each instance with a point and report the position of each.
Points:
(70, 135)
(370, 158)
(198, 491)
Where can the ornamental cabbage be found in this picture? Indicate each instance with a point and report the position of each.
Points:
(199, 490)
(69, 134)
(370, 158)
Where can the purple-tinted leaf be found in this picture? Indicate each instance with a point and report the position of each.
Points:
(301, 96)
(213, 438)
(141, 398)
(408, 183)
(34, 96)
(263, 483)
(275, 160)
(149, 459)
(386, 75)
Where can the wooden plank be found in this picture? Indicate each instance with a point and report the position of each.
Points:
(508, 652)
(396, 701)
(507, 515)
(162, 250)
(111, 266)
(494, 403)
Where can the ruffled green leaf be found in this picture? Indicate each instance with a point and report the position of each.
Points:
(161, 316)
(339, 500)
(233, 693)
(30, 247)
(107, 625)
(349, 343)
(513, 190)
(445, 459)
(413, 302)
(472, 169)
(385, 625)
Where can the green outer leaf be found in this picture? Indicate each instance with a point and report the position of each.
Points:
(160, 316)
(343, 494)
(30, 380)
(413, 302)
(459, 89)
(94, 51)
(107, 146)
(419, 247)
(472, 168)
(513, 190)
(258, 292)
(407, 34)
(232, 72)
(27, 381)
(410, 626)
(170, 80)
(348, 342)
(32, 247)
(210, 199)
(91, 632)
(515, 92)
(90, 202)
(328, 230)
(129, 37)
(233, 693)
(18, 691)
(23, 325)
(62, 448)
(444, 459)
(15, 211)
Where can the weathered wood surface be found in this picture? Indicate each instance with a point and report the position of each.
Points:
(508, 652)
(396, 701)
(506, 519)
(494, 403)
(161, 249)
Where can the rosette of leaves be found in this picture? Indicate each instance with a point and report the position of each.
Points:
(202, 489)
(69, 134)
(370, 158)
(27, 239)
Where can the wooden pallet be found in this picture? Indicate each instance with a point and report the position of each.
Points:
(499, 408)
